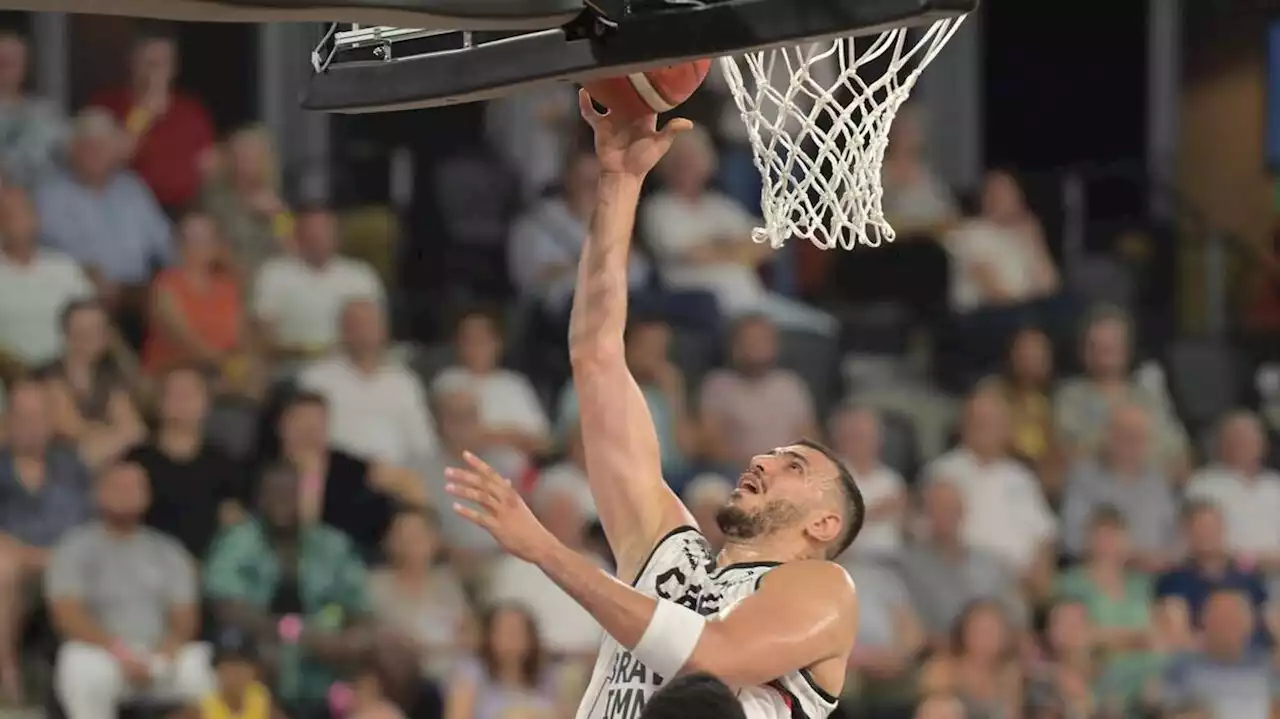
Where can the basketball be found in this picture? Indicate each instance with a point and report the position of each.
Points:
(645, 93)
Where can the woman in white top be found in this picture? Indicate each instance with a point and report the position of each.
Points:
(1000, 257)
(513, 418)
(856, 438)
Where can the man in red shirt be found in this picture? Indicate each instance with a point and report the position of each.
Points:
(171, 132)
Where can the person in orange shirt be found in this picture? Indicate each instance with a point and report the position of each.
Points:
(197, 314)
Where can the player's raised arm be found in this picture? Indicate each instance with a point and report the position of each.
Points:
(623, 462)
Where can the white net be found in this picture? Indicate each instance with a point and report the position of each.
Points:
(818, 119)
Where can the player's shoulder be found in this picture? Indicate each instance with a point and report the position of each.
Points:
(812, 578)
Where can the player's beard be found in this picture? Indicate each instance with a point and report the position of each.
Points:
(737, 523)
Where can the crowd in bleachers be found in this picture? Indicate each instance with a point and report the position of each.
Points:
(221, 486)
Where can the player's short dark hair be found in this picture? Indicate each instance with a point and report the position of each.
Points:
(855, 507)
(694, 696)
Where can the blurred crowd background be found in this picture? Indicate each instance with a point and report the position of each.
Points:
(230, 392)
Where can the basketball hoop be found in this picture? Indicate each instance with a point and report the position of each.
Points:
(818, 142)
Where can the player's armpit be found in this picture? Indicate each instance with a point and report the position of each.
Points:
(805, 613)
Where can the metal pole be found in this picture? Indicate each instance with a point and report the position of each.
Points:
(1075, 221)
(50, 52)
(1215, 284)
(1164, 81)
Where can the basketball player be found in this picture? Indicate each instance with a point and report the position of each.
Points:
(694, 696)
(771, 616)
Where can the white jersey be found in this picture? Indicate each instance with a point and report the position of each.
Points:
(682, 569)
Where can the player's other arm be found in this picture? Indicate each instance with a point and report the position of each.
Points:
(804, 613)
(622, 457)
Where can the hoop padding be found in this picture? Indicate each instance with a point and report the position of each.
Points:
(818, 142)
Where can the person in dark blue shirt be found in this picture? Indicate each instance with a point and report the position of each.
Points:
(1209, 568)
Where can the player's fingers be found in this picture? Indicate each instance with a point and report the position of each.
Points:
(587, 107)
(676, 126)
(482, 467)
(470, 477)
(473, 495)
(471, 515)
(471, 480)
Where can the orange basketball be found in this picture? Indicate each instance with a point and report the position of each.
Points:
(645, 93)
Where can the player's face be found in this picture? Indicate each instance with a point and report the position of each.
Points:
(779, 490)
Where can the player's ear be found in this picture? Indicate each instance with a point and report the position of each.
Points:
(824, 527)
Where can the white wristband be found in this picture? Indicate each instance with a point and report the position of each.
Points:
(670, 638)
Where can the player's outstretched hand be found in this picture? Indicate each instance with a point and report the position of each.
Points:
(629, 146)
(495, 505)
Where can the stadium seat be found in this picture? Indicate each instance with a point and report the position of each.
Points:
(899, 445)
(817, 360)
(695, 354)
(1204, 376)
(1099, 279)
(880, 328)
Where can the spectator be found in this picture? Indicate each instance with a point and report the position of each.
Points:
(979, 663)
(1068, 681)
(240, 691)
(379, 408)
(297, 586)
(170, 135)
(856, 438)
(1118, 602)
(1083, 404)
(470, 547)
(570, 473)
(244, 200)
(547, 240)
(1000, 257)
(753, 402)
(940, 706)
(1027, 384)
(33, 128)
(90, 388)
(1183, 591)
(1124, 478)
(890, 638)
(511, 674)
(1006, 512)
(196, 488)
(705, 495)
(387, 686)
(35, 284)
(943, 573)
(1228, 675)
(1246, 491)
(197, 316)
(298, 298)
(702, 240)
(101, 214)
(694, 696)
(648, 347)
(419, 597)
(124, 599)
(510, 410)
(44, 493)
(533, 132)
(916, 200)
(567, 630)
(352, 495)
